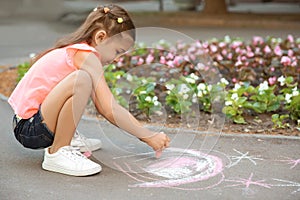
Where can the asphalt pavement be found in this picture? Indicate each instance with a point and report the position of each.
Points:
(235, 167)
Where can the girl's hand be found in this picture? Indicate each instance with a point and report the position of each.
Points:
(158, 141)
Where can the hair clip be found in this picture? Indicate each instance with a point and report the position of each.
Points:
(95, 9)
(120, 20)
(106, 10)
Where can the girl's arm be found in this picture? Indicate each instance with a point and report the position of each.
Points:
(110, 109)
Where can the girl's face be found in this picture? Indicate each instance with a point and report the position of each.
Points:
(111, 48)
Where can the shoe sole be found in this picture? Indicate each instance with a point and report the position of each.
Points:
(58, 169)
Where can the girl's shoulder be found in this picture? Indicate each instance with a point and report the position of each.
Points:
(82, 46)
(77, 53)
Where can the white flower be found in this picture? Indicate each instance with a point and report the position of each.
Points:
(185, 96)
(148, 99)
(236, 87)
(295, 92)
(118, 76)
(194, 76)
(201, 86)
(228, 103)
(144, 81)
(263, 86)
(129, 77)
(183, 89)
(194, 98)
(234, 96)
(281, 79)
(224, 81)
(128, 91)
(170, 86)
(200, 94)
(288, 98)
(209, 87)
(156, 103)
(154, 98)
(190, 80)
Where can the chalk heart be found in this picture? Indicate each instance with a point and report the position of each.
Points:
(178, 167)
(181, 167)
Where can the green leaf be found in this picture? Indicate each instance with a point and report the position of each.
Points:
(239, 120)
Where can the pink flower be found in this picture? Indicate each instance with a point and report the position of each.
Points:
(278, 51)
(205, 45)
(234, 80)
(272, 69)
(229, 56)
(257, 40)
(192, 57)
(272, 80)
(219, 57)
(224, 52)
(170, 56)
(213, 48)
(290, 38)
(170, 64)
(238, 63)
(290, 53)
(162, 60)
(285, 60)
(186, 58)
(191, 50)
(222, 44)
(198, 44)
(294, 63)
(257, 50)
(238, 50)
(177, 60)
(250, 54)
(236, 44)
(149, 59)
(267, 49)
(140, 61)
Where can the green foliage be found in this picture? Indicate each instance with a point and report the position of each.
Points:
(22, 70)
(279, 121)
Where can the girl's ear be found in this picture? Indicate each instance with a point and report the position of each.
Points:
(100, 36)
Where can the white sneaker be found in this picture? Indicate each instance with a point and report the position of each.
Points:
(68, 160)
(85, 144)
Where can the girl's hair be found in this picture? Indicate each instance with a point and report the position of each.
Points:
(112, 18)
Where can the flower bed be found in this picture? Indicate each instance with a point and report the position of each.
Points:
(261, 76)
(238, 78)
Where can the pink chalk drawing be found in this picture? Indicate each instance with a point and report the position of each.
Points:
(291, 161)
(176, 168)
(248, 182)
(287, 183)
(243, 156)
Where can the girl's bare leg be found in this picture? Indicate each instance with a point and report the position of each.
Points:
(63, 107)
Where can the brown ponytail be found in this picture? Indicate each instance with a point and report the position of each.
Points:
(102, 17)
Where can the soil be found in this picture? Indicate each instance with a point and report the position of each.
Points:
(260, 124)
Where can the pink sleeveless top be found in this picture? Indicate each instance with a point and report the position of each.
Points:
(42, 77)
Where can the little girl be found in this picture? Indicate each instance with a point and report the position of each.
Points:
(50, 99)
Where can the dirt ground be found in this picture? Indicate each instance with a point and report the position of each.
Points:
(260, 124)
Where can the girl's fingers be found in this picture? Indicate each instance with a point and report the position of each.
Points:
(158, 153)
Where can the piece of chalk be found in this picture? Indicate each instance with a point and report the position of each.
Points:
(158, 153)
(87, 154)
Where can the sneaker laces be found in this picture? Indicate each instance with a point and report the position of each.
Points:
(82, 140)
(74, 152)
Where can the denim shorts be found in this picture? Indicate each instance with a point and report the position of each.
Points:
(32, 133)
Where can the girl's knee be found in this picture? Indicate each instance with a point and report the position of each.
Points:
(83, 80)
